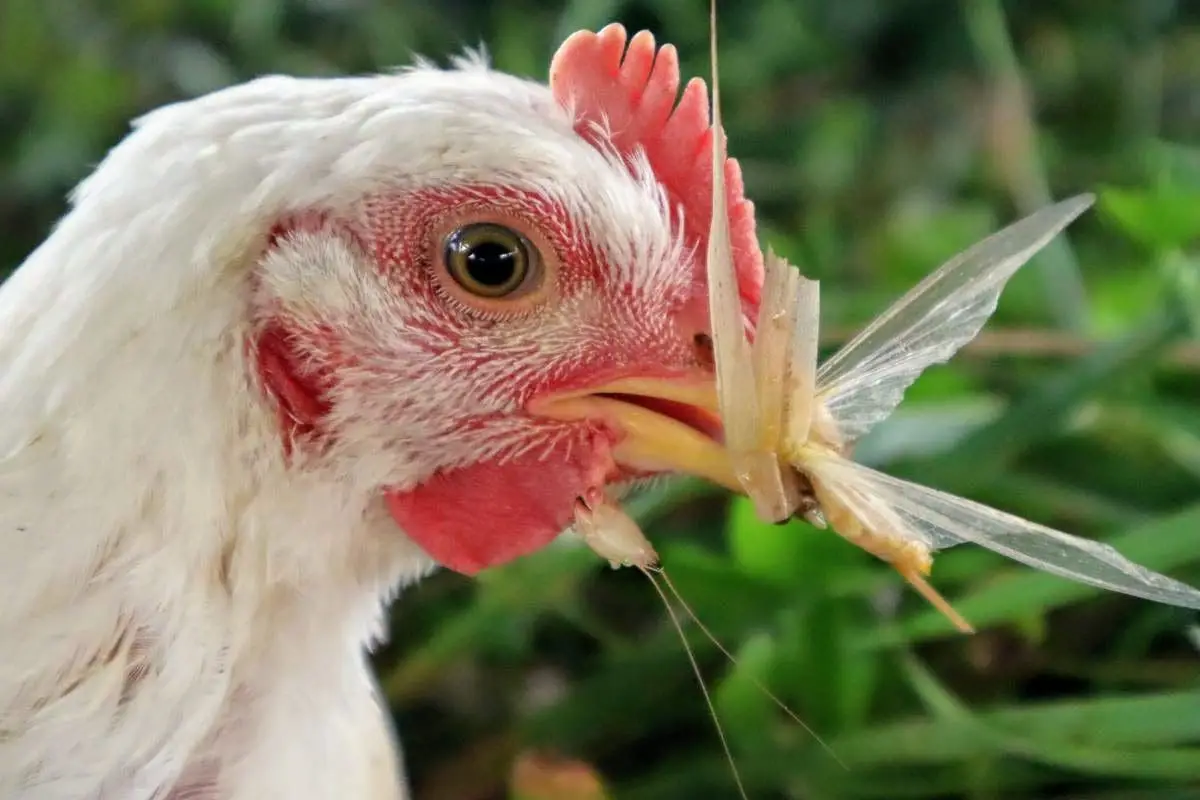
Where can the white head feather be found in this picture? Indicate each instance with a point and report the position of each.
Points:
(173, 597)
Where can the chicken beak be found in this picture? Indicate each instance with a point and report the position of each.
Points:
(668, 425)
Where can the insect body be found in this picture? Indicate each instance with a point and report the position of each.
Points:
(612, 534)
(782, 413)
(828, 409)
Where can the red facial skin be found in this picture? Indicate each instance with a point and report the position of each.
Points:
(489, 512)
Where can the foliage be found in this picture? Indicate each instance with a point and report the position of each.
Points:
(877, 138)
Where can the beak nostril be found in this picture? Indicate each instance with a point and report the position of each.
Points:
(704, 350)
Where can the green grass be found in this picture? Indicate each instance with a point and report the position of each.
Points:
(877, 138)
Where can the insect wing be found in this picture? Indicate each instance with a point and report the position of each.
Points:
(802, 372)
(942, 520)
(757, 466)
(731, 350)
(773, 337)
(865, 380)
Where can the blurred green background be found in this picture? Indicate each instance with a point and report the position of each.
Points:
(877, 138)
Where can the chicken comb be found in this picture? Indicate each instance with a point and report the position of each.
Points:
(624, 97)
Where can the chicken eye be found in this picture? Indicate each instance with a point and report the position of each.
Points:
(489, 260)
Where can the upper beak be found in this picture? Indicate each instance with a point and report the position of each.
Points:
(669, 424)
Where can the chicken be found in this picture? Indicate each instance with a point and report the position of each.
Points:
(296, 343)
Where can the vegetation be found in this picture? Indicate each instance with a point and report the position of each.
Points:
(877, 138)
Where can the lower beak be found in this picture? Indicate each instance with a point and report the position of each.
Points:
(668, 425)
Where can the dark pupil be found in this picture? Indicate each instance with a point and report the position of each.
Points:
(491, 263)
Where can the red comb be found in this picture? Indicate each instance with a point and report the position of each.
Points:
(631, 93)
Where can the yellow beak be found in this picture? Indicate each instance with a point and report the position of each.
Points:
(653, 441)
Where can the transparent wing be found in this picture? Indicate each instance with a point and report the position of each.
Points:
(865, 380)
(941, 520)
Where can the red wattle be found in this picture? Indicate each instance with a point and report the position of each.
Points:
(486, 514)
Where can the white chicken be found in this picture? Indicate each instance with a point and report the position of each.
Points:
(283, 356)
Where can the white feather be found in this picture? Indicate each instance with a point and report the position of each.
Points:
(177, 607)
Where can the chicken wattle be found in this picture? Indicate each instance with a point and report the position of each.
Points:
(296, 343)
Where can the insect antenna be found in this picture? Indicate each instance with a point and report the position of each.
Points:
(687, 648)
(782, 706)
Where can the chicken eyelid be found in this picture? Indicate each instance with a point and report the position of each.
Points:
(463, 293)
